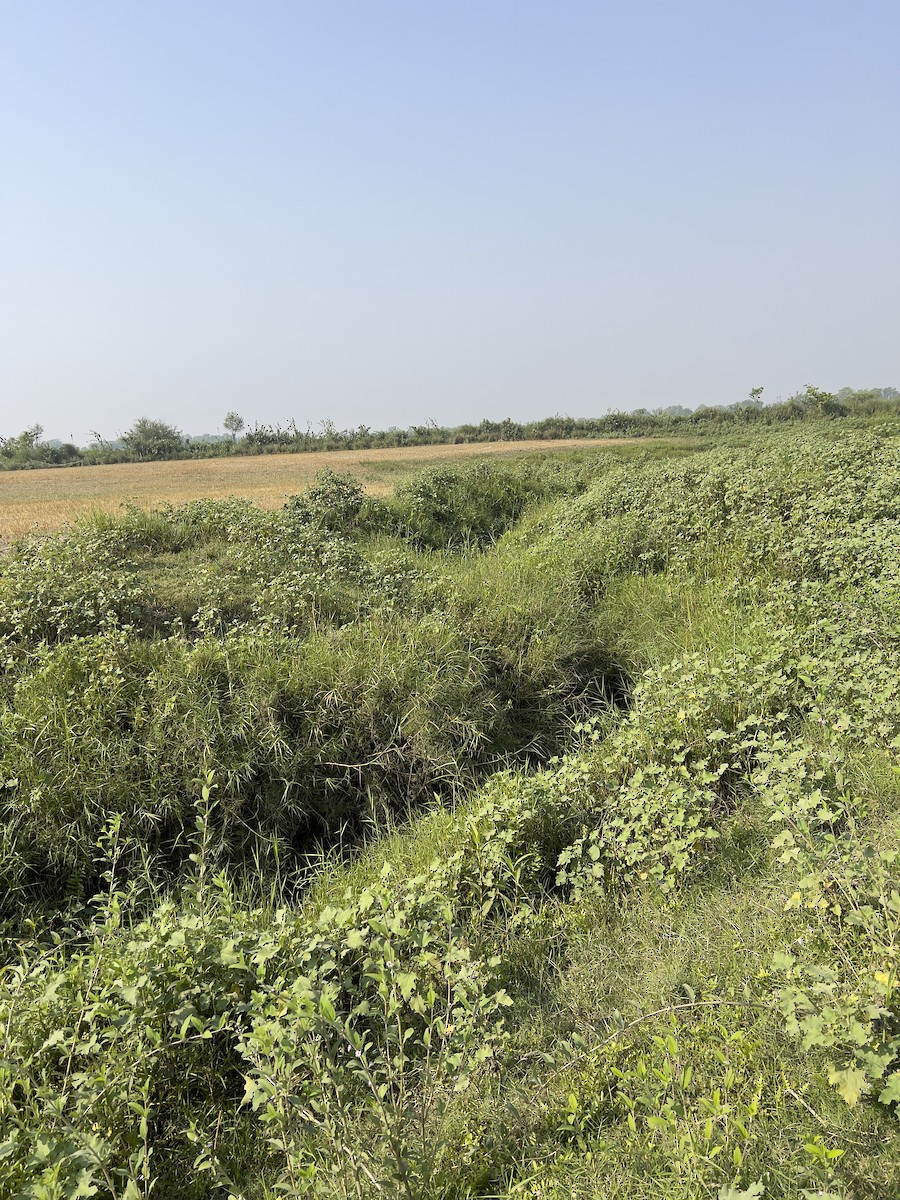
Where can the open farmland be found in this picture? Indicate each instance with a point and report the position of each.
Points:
(44, 500)
(530, 832)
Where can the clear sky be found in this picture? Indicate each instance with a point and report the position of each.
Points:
(388, 212)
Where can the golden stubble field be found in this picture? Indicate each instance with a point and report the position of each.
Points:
(42, 501)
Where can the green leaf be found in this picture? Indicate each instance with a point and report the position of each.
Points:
(183, 1018)
(727, 1192)
(406, 981)
(229, 955)
(850, 1083)
(54, 1039)
(890, 1093)
(84, 1185)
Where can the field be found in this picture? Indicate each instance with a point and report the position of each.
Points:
(44, 500)
(526, 831)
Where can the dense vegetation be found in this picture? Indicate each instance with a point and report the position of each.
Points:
(532, 834)
(151, 440)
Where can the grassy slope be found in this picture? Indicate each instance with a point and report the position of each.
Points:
(613, 979)
(648, 1048)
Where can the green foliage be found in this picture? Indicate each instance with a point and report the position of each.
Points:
(334, 1041)
(645, 941)
(462, 506)
(234, 423)
(62, 588)
(155, 439)
(175, 528)
(27, 450)
(334, 681)
(333, 502)
(152, 439)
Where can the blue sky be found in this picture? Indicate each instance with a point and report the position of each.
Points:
(384, 213)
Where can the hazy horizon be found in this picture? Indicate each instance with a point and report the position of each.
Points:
(316, 427)
(391, 215)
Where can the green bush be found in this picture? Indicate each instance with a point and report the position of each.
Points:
(58, 588)
(310, 736)
(333, 502)
(457, 507)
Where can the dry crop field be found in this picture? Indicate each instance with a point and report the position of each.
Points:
(42, 501)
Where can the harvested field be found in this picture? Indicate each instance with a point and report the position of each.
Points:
(45, 500)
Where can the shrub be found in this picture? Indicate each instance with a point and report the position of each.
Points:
(461, 506)
(57, 588)
(332, 502)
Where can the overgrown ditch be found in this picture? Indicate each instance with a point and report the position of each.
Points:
(646, 944)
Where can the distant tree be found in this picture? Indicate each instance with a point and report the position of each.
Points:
(234, 423)
(27, 446)
(27, 439)
(824, 403)
(153, 439)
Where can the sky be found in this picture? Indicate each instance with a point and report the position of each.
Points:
(385, 213)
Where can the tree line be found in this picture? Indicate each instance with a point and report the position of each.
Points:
(151, 440)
